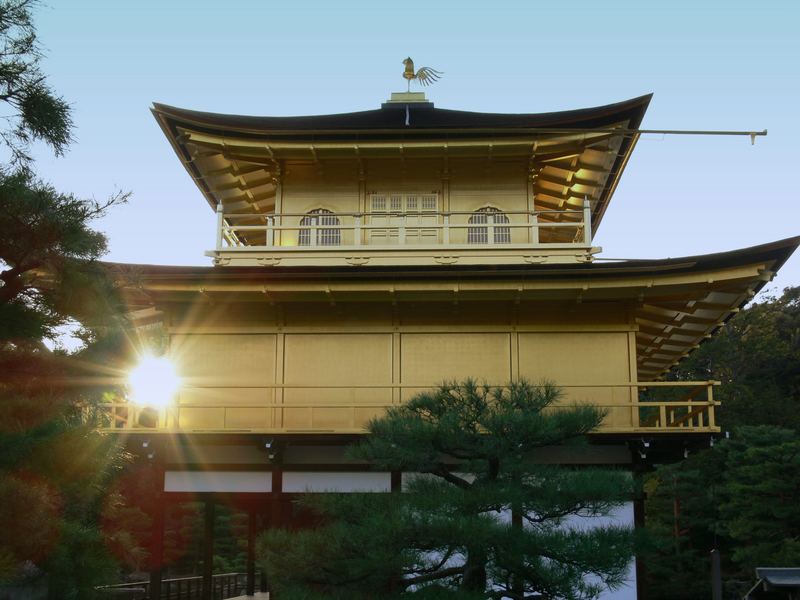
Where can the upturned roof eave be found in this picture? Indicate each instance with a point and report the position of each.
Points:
(392, 119)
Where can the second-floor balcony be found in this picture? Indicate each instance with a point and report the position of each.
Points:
(395, 231)
(630, 408)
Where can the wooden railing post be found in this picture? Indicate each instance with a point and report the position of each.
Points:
(401, 230)
(587, 222)
(710, 399)
(534, 220)
(270, 231)
(220, 224)
(357, 230)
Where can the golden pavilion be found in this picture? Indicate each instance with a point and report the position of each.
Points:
(360, 258)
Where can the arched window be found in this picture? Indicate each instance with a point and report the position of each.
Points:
(316, 229)
(490, 228)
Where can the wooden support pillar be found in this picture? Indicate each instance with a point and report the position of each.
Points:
(157, 549)
(641, 568)
(716, 575)
(276, 510)
(251, 552)
(208, 551)
(396, 481)
(157, 535)
(276, 515)
(262, 577)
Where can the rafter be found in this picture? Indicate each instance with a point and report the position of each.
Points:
(652, 352)
(232, 169)
(567, 182)
(560, 199)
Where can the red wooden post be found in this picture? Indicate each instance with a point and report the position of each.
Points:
(208, 552)
(157, 536)
(251, 552)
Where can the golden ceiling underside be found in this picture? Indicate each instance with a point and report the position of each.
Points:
(565, 169)
(671, 326)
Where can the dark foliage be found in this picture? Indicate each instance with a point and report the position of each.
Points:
(741, 496)
(54, 468)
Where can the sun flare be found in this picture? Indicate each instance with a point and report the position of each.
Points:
(153, 382)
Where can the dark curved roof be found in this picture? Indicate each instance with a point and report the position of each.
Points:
(399, 122)
(422, 116)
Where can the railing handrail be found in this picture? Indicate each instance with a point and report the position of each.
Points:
(384, 213)
(301, 227)
(401, 385)
(275, 405)
(146, 583)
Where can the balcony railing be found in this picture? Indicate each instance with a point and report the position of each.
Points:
(631, 407)
(224, 585)
(556, 229)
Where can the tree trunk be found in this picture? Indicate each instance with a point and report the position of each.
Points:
(474, 579)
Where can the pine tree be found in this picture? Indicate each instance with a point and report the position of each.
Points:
(759, 498)
(53, 467)
(740, 497)
(33, 111)
(480, 518)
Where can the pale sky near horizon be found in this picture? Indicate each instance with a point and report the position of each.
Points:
(710, 65)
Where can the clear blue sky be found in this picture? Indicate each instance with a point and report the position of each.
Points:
(711, 65)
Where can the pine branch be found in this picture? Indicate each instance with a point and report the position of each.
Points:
(443, 574)
(445, 474)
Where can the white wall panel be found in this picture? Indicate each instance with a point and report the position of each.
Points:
(307, 481)
(218, 481)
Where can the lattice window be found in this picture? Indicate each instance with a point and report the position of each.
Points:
(378, 203)
(491, 220)
(404, 203)
(429, 202)
(403, 218)
(318, 229)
